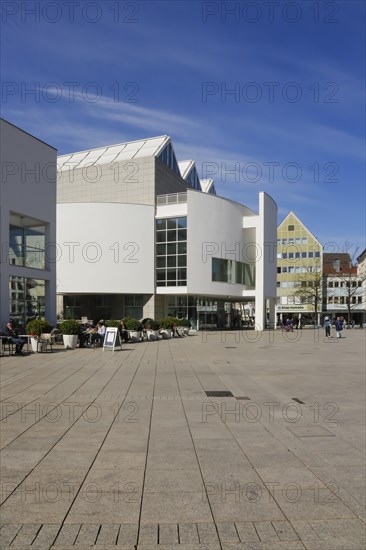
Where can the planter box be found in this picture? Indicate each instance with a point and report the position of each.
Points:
(70, 341)
(152, 335)
(135, 335)
(34, 342)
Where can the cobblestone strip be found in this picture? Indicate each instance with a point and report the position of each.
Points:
(189, 536)
(188, 533)
(8, 533)
(168, 534)
(26, 535)
(127, 535)
(107, 535)
(87, 535)
(67, 535)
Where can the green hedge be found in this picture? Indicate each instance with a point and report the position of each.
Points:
(38, 327)
(70, 326)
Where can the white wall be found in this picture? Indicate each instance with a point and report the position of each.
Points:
(215, 229)
(113, 250)
(28, 187)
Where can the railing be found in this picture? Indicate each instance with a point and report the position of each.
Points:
(171, 198)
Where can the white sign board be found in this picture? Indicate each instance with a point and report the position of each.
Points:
(111, 338)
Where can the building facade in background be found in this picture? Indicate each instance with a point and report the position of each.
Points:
(343, 290)
(361, 266)
(140, 235)
(28, 227)
(299, 266)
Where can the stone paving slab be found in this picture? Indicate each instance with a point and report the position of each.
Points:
(126, 449)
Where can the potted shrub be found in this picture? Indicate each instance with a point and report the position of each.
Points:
(35, 328)
(134, 328)
(70, 330)
(112, 323)
(166, 326)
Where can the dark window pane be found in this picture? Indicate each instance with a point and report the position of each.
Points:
(171, 235)
(182, 261)
(182, 248)
(182, 235)
(182, 222)
(172, 261)
(161, 249)
(171, 274)
(161, 236)
(171, 248)
(182, 273)
(161, 261)
(171, 223)
(160, 224)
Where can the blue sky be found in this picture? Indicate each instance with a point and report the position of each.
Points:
(294, 126)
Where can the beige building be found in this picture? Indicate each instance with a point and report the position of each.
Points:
(299, 264)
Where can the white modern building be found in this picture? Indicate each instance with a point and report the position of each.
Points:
(140, 235)
(28, 227)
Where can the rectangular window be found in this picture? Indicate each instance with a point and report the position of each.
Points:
(303, 254)
(284, 270)
(279, 255)
(278, 270)
(284, 255)
(291, 255)
(27, 245)
(27, 299)
(290, 228)
(297, 254)
(317, 254)
(311, 254)
(304, 240)
(230, 271)
(171, 252)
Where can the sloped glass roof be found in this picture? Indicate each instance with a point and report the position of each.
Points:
(123, 151)
(189, 173)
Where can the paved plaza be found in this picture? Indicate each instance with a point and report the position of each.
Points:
(216, 441)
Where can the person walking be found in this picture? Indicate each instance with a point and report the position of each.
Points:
(327, 325)
(339, 327)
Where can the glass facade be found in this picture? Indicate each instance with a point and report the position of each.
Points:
(27, 299)
(171, 252)
(167, 156)
(230, 271)
(27, 246)
(134, 306)
(193, 179)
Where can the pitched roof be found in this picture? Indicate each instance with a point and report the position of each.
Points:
(113, 153)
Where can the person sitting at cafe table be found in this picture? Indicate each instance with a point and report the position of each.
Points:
(98, 337)
(19, 342)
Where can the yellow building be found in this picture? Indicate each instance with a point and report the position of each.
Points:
(299, 264)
